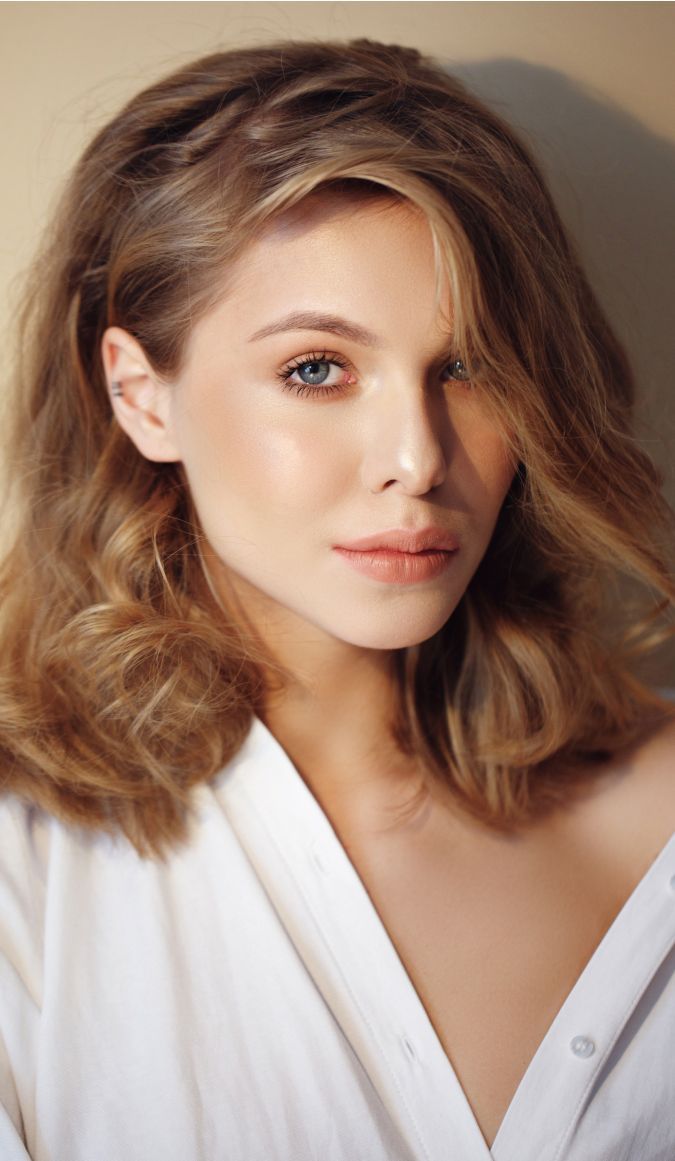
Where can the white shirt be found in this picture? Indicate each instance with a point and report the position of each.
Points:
(242, 1001)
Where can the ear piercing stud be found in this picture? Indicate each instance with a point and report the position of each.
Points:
(115, 388)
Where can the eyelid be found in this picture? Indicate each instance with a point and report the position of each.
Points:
(316, 357)
(286, 371)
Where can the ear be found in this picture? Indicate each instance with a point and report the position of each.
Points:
(140, 399)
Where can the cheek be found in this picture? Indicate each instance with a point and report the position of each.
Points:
(486, 465)
(496, 464)
(258, 459)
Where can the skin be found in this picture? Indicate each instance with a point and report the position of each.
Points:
(279, 478)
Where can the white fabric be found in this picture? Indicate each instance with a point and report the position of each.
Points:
(242, 1002)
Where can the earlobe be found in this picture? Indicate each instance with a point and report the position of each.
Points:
(140, 398)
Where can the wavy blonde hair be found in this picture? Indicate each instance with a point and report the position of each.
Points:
(124, 683)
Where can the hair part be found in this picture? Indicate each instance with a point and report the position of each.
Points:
(124, 681)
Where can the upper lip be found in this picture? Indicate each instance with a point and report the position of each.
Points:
(406, 540)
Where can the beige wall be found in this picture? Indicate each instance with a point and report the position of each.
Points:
(591, 84)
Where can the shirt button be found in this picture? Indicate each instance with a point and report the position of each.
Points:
(582, 1046)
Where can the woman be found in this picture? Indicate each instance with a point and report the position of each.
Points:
(337, 820)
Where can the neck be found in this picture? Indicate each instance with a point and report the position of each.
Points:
(339, 704)
(334, 710)
(335, 722)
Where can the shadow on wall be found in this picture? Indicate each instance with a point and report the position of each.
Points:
(614, 184)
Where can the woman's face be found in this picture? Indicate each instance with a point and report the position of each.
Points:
(301, 435)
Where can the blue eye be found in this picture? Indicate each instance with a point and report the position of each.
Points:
(458, 370)
(309, 375)
(314, 374)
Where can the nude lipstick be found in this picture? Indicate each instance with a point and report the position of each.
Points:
(400, 556)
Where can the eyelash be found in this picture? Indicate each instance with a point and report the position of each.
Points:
(304, 389)
(312, 388)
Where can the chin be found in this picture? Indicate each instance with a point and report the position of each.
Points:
(398, 633)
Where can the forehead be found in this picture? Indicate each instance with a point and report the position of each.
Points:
(369, 260)
(337, 243)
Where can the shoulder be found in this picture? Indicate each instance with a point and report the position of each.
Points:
(635, 801)
(653, 759)
(41, 857)
(24, 857)
(24, 838)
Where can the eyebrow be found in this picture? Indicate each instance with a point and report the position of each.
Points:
(315, 321)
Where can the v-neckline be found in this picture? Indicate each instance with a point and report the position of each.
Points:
(595, 993)
(580, 1035)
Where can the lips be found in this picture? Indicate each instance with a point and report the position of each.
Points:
(405, 541)
(401, 556)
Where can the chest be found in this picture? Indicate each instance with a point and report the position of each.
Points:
(493, 935)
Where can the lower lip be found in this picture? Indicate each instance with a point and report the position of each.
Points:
(400, 568)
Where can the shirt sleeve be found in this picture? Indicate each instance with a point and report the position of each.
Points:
(21, 926)
(12, 1146)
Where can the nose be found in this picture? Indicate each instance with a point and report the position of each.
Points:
(406, 443)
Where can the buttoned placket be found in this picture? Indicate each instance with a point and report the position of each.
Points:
(569, 1062)
(340, 937)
